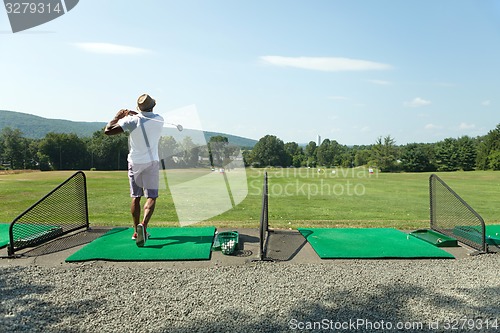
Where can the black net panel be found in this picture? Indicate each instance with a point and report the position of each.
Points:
(452, 216)
(264, 220)
(61, 211)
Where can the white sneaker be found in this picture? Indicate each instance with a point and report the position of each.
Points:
(134, 236)
(141, 236)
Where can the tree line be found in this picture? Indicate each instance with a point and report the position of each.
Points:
(63, 151)
(464, 153)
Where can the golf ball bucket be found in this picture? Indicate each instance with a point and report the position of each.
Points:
(228, 241)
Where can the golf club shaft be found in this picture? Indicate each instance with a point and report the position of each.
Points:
(179, 127)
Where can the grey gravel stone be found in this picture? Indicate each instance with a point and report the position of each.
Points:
(257, 297)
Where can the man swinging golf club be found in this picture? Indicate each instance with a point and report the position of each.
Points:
(143, 159)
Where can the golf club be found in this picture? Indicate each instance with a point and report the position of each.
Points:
(179, 127)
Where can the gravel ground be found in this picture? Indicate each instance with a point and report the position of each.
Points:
(336, 296)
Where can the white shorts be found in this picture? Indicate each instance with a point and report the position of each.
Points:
(144, 179)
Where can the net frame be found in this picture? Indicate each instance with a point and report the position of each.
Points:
(61, 211)
(452, 216)
(264, 221)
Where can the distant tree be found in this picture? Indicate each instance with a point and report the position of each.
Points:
(218, 150)
(324, 153)
(14, 148)
(2, 157)
(447, 155)
(107, 152)
(483, 152)
(191, 152)
(494, 160)
(247, 157)
(310, 154)
(384, 154)
(269, 151)
(331, 153)
(361, 156)
(30, 159)
(167, 149)
(347, 158)
(488, 146)
(415, 158)
(467, 153)
(339, 153)
(65, 151)
(295, 154)
(193, 157)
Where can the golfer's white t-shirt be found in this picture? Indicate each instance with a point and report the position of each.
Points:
(139, 152)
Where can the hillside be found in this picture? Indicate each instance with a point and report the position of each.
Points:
(233, 139)
(36, 127)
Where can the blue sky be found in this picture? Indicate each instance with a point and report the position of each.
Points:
(350, 71)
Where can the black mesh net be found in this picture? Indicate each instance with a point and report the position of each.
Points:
(264, 220)
(452, 216)
(61, 211)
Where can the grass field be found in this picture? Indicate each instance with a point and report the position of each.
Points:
(298, 198)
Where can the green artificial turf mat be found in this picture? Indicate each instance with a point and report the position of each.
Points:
(4, 234)
(493, 234)
(369, 243)
(163, 244)
(435, 238)
(25, 233)
(473, 233)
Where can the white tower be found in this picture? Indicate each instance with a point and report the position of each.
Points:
(318, 140)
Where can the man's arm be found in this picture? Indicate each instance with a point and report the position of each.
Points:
(112, 128)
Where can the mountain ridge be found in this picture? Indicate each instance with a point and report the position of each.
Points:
(36, 127)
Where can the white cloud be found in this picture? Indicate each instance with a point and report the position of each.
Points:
(432, 127)
(108, 48)
(380, 82)
(328, 64)
(463, 126)
(486, 103)
(417, 102)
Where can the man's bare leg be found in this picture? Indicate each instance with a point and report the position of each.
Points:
(135, 209)
(149, 208)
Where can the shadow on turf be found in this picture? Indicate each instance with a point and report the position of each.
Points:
(66, 242)
(179, 240)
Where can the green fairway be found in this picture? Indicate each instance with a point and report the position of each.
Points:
(297, 198)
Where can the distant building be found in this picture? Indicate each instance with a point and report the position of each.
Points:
(318, 142)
